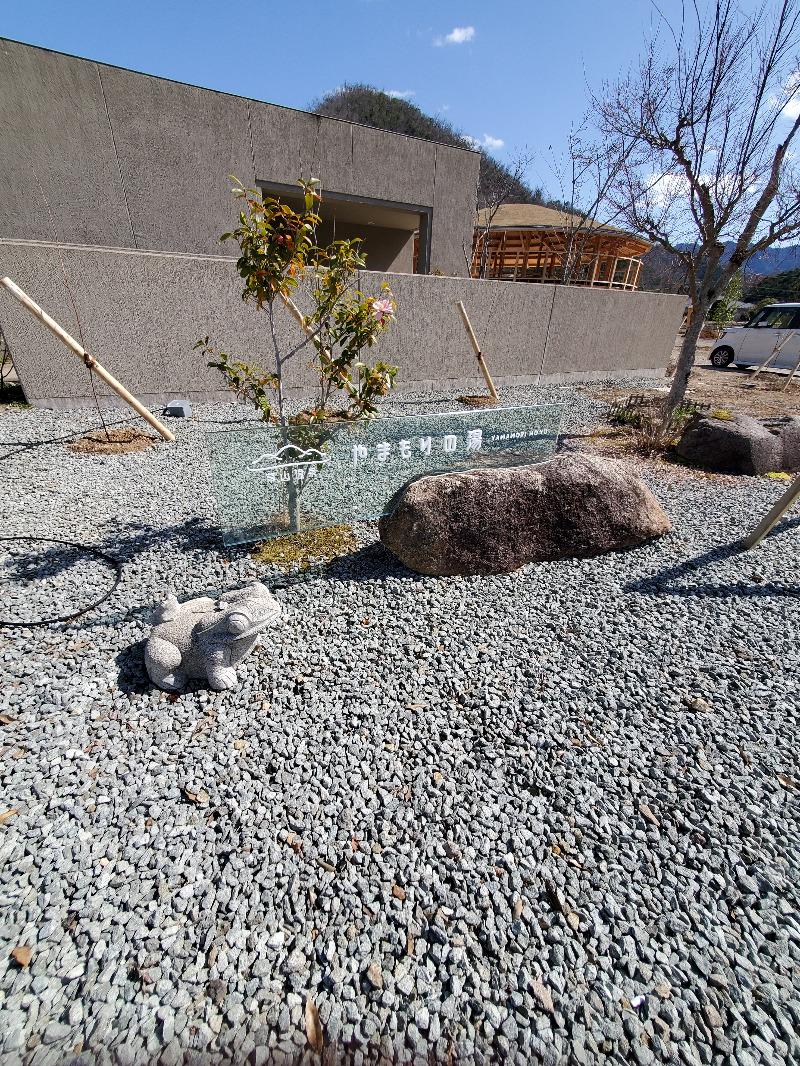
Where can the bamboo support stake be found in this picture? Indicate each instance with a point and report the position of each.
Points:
(477, 348)
(93, 365)
(777, 512)
(298, 315)
(775, 352)
(792, 373)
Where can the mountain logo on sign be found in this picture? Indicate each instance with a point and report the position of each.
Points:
(288, 455)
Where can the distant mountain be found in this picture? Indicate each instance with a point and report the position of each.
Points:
(663, 272)
(371, 107)
(774, 260)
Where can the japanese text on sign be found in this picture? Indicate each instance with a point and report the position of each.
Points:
(425, 445)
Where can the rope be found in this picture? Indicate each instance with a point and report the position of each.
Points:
(116, 563)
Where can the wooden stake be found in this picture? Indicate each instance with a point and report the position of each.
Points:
(297, 314)
(73, 345)
(792, 373)
(477, 348)
(775, 352)
(777, 512)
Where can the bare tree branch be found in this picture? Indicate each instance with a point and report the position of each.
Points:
(710, 165)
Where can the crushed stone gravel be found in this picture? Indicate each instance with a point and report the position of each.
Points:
(546, 817)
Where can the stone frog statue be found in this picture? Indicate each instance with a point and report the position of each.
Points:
(207, 639)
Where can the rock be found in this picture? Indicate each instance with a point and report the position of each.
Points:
(542, 994)
(207, 639)
(494, 521)
(55, 1032)
(712, 1016)
(297, 962)
(374, 975)
(790, 437)
(739, 444)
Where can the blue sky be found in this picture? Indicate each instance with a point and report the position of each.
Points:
(511, 71)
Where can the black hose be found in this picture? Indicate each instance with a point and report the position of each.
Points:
(116, 563)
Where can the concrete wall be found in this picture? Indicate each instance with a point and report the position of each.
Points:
(132, 161)
(142, 313)
(136, 171)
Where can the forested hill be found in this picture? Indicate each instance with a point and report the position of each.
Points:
(783, 286)
(371, 107)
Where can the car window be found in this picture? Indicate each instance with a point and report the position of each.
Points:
(776, 318)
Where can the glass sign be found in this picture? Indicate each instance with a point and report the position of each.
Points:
(269, 481)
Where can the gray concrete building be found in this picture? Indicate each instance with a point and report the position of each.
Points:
(133, 161)
(136, 171)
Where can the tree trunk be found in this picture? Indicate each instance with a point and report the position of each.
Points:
(686, 360)
(291, 487)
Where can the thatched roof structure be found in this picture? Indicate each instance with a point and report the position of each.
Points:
(527, 242)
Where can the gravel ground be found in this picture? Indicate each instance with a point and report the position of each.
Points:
(549, 816)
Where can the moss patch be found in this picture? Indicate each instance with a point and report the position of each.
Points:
(720, 412)
(314, 545)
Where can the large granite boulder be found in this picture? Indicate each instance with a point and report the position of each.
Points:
(494, 521)
(789, 429)
(739, 444)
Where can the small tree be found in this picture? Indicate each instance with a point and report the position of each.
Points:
(585, 176)
(278, 250)
(712, 135)
(496, 186)
(725, 308)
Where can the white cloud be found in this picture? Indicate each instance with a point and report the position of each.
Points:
(400, 95)
(790, 98)
(665, 189)
(669, 190)
(459, 35)
(487, 142)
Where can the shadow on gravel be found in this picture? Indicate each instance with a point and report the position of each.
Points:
(122, 547)
(18, 447)
(370, 563)
(666, 580)
(132, 677)
(31, 561)
(128, 541)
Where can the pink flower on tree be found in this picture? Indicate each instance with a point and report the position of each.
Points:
(382, 311)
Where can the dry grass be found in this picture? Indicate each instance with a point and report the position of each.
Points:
(729, 389)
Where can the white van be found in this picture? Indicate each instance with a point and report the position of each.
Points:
(753, 344)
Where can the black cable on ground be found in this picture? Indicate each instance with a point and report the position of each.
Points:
(116, 563)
